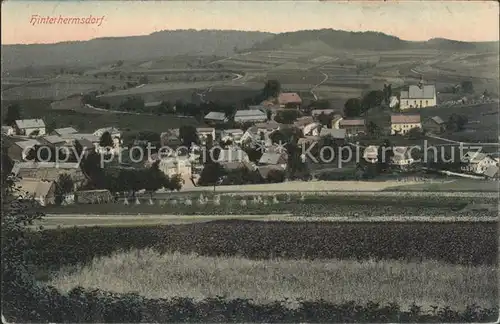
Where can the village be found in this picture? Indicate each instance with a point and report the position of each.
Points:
(278, 140)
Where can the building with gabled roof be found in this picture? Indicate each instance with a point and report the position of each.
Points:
(334, 133)
(64, 131)
(289, 100)
(418, 96)
(250, 116)
(18, 151)
(353, 126)
(216, 117)
(402, 124)
(434, 125)
(29, 127)
(274, 158)
(42, 191)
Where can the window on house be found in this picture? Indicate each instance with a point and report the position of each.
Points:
(415, 102)
(427, 102)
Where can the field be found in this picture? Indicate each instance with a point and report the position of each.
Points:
(155, 275)
(89, 121)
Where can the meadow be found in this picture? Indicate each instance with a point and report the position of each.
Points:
(170, 275)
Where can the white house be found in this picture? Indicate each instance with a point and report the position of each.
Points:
(40, 190)
(418, 96)
(64, 131)
(477, 162)
(216, 117)
(233, 154)
(402, 156)
(30, 127)
(172, 166)
(233, 135)
(8, 130)
(371, 154)
(401, 124)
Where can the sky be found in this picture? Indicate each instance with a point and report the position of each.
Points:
(412, 20)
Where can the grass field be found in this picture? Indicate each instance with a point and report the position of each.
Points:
(172, 275)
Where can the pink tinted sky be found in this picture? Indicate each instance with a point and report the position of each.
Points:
(468, 21)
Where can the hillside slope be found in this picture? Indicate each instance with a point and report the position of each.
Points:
(163, 43)
(375, 41)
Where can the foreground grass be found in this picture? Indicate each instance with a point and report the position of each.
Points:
(170, 275)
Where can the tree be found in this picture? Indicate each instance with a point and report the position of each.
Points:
(211, 174)
(415, 133)
(106, 140)
(287, 116)
(188, 134)
(175, 183)
(325, 120)
(155, 179)
(143, 79)
(371, 100)
(272, 88)
(13, 114)
(456, 123)
(133, 104)
(467, 86)
(352, 107)
(51, 126)
(385, 154)
(64, 186)
(372, 129)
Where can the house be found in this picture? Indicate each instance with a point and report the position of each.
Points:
(204, 133)
(491, 172)
(29, 127)
(352, 126)
(216, 117)
(233, 154)
(318, 112)
(434, 125)
(19, 151)
(274, 158)
(418, 96)
(93, 196)
(86, 145)
(172, 166)
(250, 116)
(401, 124)
(402, 156)
(233, 135)
(477, 162)
(289, 100)
(307, 125)
(339, 134)
(268, 127)
(8, 130)
(53, 141)
(262, 108)
(41, 190)
(64, 131)
(49, 171)
(170, 138)
(370, 154)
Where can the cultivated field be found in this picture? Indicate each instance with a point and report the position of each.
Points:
(171, 275)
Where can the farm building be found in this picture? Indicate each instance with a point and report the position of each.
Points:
(401, 124)
(93, 196)
(250, 116)
(18, 151)
(204, 133)
(434, 125)
(64, 131)
(49, 171)
(216, 117)
(262, 108)
(41, 190)
(418, 96)
(73, 137)
(53, 141)
(289, 100)
(30, 127)
(352, 126)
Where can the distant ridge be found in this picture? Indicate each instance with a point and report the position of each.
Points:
(370, 40)
(211, 42)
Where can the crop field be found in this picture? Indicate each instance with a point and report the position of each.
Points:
(158, 87)
(92, 120)
(171, 275)
(47, 90)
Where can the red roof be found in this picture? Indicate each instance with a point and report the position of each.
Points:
(405, 119)
(289, 97)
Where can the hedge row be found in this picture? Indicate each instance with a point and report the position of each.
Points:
(457, 243)
(46, 304)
